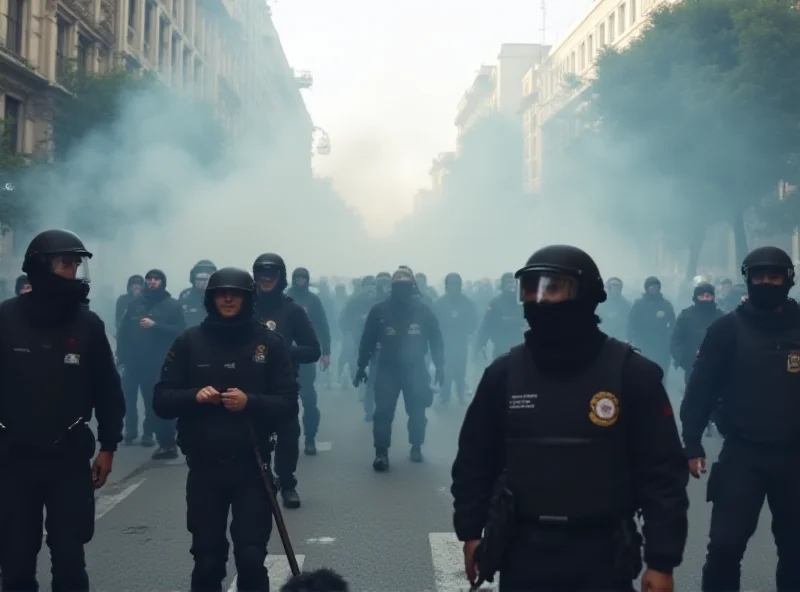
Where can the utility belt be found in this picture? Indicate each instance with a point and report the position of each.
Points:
(77, 439)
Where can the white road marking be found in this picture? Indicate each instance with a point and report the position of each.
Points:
(278, 569)
(448, 563)
(106, 503)
(324, 446)
(321, 541)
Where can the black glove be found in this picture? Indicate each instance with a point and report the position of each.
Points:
(361, 377)
(438, 377)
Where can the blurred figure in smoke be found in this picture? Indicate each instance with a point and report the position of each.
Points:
(650, 324)
(503, 323)
(383, 285)
(427, 293)
(691, 326)
(22, 285)
(331, 312)
(458, 320)
(152, 322)
(351, 321)
(405, 328)
(191, 299)
(132, 291)
(311, 303)
(278, 312)
(615, 310)
(727, 300)
(339, 302)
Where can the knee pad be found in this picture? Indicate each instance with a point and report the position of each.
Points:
(249, 558)
(209, 567)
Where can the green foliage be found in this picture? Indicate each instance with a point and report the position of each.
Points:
(703, 111)
(13, 206)
(94, 102)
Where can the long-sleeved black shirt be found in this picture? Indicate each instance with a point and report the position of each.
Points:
(257, 362)
(282, 314)
(404, 331)
(54, 375)
(312, 304)
(660, 470)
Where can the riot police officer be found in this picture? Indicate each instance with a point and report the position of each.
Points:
(578, 427)
(404, 327)
(748, 367)
(192, 299)
(279, 312)
(58, 370)
(230, 383)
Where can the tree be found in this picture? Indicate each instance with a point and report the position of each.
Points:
(705, 106)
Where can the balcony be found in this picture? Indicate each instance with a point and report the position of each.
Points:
(303, 79)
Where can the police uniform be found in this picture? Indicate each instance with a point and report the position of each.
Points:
(218, 444)
(748, 369)
(280, 313)
(57, 370)
(405, 328)
(580, 430)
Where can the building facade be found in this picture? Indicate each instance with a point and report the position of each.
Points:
(496, 88)
(552, 87)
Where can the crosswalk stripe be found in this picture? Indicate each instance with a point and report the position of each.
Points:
(278, 569)
(106, 503)
(448, 563)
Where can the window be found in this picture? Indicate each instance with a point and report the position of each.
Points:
(84, 48)
(582, 59)
(132, 15)
(622, 22)
(591, 48)
(601, 37)
(612, 28)
(163, 53)
(62, 48)
(14, 25)
(632, 4)
(12, 114)
(148, 28)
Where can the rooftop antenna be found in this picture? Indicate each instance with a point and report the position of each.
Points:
(544, 22)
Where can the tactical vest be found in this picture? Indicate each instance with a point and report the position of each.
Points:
(224, 366)
(763, 405)
(566, 441)
(45, 387)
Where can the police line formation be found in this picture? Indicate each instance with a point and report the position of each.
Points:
(569, 396)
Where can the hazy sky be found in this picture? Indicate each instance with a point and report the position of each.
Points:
(388, 77)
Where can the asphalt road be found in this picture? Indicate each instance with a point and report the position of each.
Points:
(383, 532)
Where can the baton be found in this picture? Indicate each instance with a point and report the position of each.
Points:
(273, 500)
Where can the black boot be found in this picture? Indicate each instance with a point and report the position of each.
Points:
(311, 447)
(165, 453)
(416, 454)
(290, 498)
(381, 462)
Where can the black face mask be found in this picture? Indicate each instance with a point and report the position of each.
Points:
(560, 326)
(402, 291)
(767, 296)
(705, 305)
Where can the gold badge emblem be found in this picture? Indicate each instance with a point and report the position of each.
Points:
(261, 349)
(270, 325)
(604, 409)
(660, 314)
(793, 362)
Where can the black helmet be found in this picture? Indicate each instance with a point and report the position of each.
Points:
(231, 278)
(368, 281)
(51, 242)
(768, 257)
(453, 279)
(703, 288)
(157, 273)
(301, 272)
(570, 261)
(383, 280)
(204, 265)
(271, 261)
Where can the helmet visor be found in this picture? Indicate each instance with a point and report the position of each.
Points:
(70, 266)
(546, 287)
